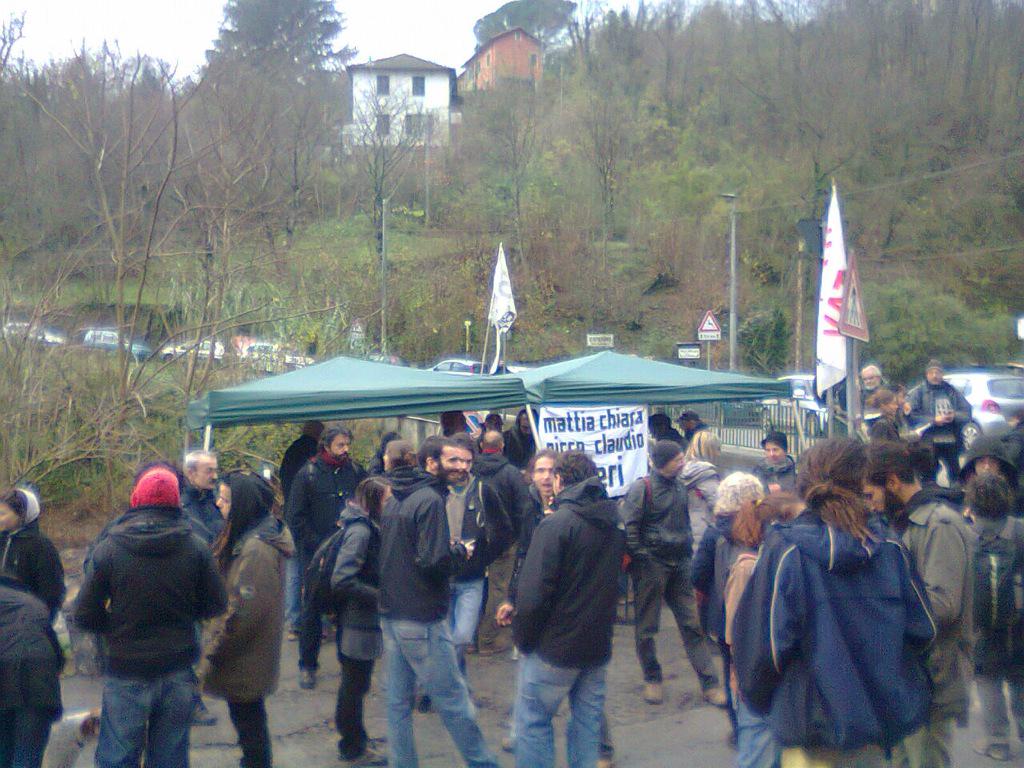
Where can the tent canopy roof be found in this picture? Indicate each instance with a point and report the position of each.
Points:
(611, 377)
(349, 388)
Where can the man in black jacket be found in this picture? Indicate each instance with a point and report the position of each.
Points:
(497, 472)
(418, 557)
(148, 582)
(660, 543)
(565, 612)
(317, 497)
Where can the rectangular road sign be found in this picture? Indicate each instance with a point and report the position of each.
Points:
(688, 350)
(600, 340)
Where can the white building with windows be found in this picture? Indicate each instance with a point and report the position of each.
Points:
(402, 99)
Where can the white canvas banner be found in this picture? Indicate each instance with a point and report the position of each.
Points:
(830, 348)
(614, 436)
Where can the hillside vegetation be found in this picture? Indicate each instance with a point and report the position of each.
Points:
(225, 202)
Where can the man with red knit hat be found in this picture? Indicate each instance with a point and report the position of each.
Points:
(148, 580)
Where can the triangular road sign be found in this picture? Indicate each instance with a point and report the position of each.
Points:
(853, 320)
(709, 324)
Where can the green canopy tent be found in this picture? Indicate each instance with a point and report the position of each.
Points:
(348, 388)
(611, 377)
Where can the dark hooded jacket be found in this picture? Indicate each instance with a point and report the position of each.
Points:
(294, 459)
(657, 519)
(417, 557)
(506, 481)
(148, 581)
(519, 446)
(530, 523)
(200, 508)
(355, 582)
(318, 495)
(1003, 452)
(376, 465)
(715, 551)
(829, 636)
(30, 656)
(569, 585)
(30, 557)
(783, 474)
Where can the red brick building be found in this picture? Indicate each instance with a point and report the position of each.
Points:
(514, 54)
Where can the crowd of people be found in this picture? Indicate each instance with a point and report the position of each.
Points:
(837, 609)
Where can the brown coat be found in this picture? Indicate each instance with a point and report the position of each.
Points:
(242, 652)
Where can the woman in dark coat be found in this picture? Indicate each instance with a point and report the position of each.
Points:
(25, 553)
(30, 664)
(376, 465)
(242, 655)
(354, 582)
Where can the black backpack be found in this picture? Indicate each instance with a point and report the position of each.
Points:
(998, 573)
(316, 581)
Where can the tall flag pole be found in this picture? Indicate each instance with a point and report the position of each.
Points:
(502, 313)
(831, 345)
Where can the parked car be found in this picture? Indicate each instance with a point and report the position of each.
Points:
(169, 350)
(993, 395)
(813, 412)
(465, 366)
(47, 335)
(111, 340)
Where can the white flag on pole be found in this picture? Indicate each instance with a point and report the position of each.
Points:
(503, 305)
(831, 346)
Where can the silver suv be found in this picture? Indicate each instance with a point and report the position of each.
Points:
(993, 395)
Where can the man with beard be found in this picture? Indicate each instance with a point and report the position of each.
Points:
(418, 557)
(318, 494)
(942, 548)
(519, 442)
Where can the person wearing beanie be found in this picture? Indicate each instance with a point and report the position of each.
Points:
(660, 544)
(25, 553)
(776, 470)
(149, 579)
(937, 407)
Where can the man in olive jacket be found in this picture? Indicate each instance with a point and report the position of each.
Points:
(942, 548)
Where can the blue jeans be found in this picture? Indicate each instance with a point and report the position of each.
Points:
(23, 736)
(292, 592)
(418, 652)
(542, 687)
(464, 615)
(755, 745)
(146, 713)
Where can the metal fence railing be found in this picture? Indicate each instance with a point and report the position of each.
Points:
(744, 423)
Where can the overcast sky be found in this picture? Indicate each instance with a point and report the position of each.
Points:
(180, 31)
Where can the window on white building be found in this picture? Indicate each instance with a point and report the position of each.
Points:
(383, 85)
(419, 86)
(383, 125)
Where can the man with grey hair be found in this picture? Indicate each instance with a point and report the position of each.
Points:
(199, 498)
(870, 382)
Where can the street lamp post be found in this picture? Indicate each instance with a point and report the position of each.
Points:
(467, 323)
(733, 320)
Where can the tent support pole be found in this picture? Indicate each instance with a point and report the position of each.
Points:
(207, 437)
(533, 423)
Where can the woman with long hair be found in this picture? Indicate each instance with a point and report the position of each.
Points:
(828, 636)
(355, 582)
(242, 655)
(755, 746)
(701, 477)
